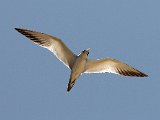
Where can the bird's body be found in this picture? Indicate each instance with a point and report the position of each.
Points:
(79, 63)
(77, 69)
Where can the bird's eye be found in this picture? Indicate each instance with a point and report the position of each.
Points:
(83, 51)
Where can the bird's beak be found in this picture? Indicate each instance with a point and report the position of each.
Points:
(88, 49)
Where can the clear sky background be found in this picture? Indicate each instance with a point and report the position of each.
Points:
(33, 82)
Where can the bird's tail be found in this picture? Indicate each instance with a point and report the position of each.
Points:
(70, 84)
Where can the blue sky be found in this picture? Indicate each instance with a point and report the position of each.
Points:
(33, 82)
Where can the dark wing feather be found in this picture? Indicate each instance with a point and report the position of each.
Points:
(55, 45)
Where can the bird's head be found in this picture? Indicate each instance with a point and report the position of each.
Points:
(86, 51)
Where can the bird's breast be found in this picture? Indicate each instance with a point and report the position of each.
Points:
(79, 66)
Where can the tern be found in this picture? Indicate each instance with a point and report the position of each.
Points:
(79, 64)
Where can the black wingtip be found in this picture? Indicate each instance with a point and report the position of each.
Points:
(145, 75)
(18, 29)
(135, 73)
(141, 74)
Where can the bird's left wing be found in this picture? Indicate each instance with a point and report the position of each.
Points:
(55, 45)
(112, 66)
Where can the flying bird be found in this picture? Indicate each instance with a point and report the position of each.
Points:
(79, 64)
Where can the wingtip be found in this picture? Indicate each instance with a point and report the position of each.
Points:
(145, 75)
(132, 73)
(18, 29)
(141, 74)
(21, 29)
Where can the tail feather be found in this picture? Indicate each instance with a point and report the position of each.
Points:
(70, 85)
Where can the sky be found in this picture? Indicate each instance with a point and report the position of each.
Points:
(33, 81)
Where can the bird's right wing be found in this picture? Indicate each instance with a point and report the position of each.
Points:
(112, 66)
(55, 45)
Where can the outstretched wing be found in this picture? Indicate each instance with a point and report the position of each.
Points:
(55, 45)
(112, 66)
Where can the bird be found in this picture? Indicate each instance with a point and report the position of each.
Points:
(79, 64)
